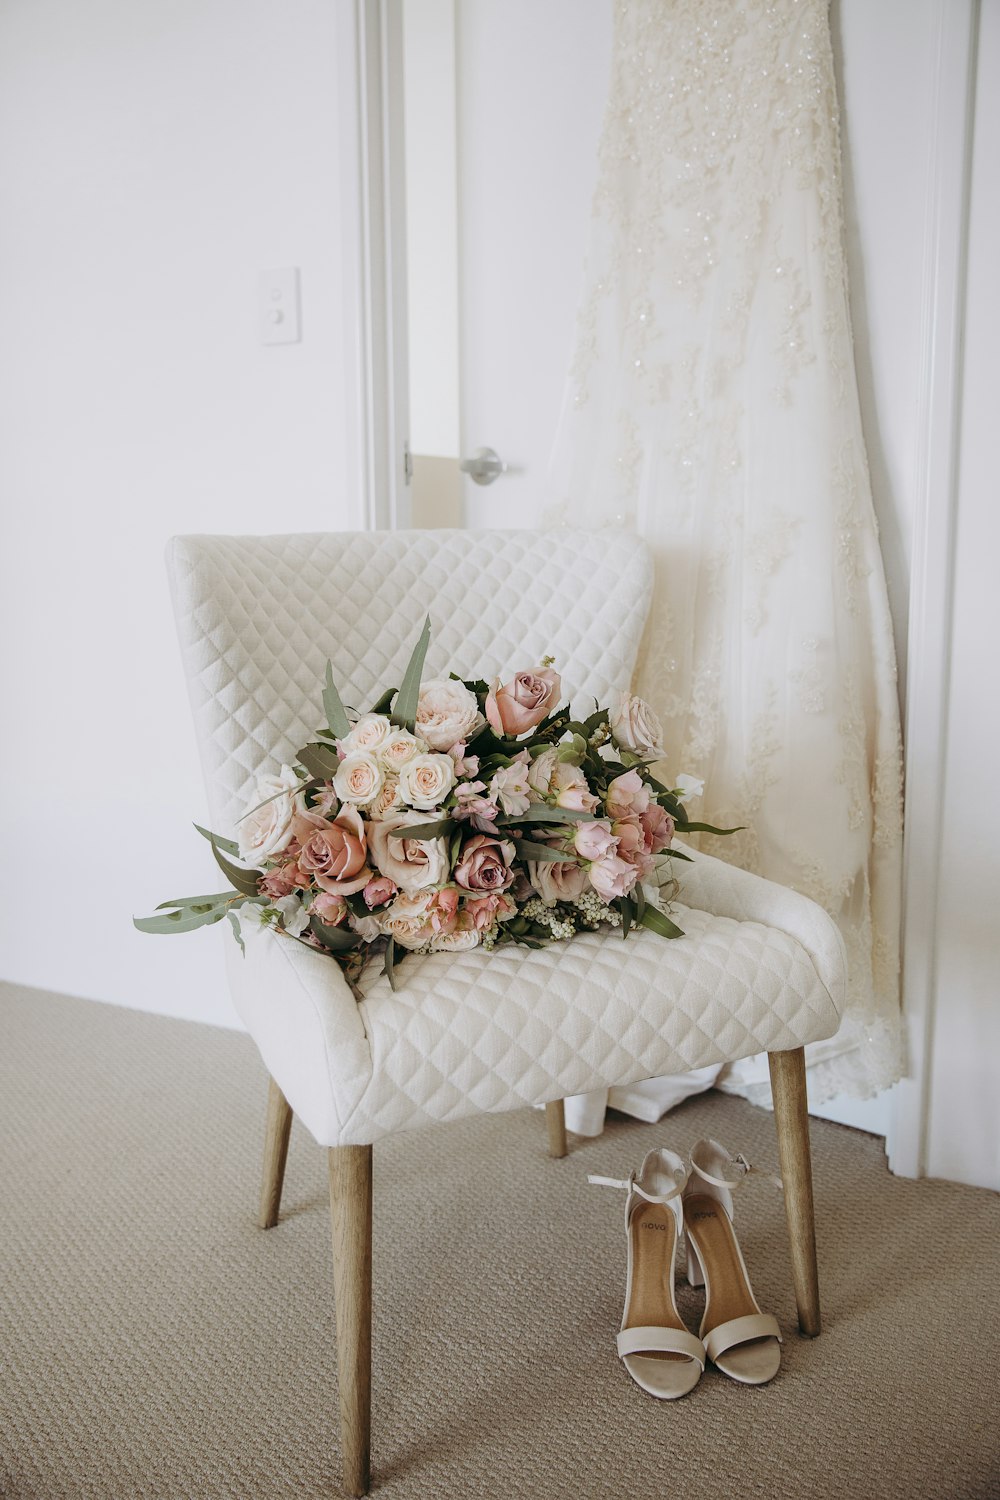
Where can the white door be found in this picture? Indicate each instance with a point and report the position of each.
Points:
(504, 103)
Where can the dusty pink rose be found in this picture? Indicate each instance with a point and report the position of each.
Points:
(553, 882)
(523, 703)
(657, 828)
(560, 782)
(627, 796)
(612, 877)
(378, 891)
(632, 846)
(635, 727)
(412, 864)
(442, 909)
(335, 855)
(485, 910)
(594, 840)
(330, 909)
(464, 935)
(282, 881)
(484, 864)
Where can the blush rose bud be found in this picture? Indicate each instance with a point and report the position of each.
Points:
(523, 703)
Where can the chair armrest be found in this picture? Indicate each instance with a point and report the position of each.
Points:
(711, 885)
(304, 1018)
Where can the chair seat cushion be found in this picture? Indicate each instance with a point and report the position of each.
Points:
(759, 969)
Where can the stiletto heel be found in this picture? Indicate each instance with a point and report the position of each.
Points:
(743, 1342)
(660, 1354)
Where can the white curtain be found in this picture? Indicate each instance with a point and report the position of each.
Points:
(713, 405)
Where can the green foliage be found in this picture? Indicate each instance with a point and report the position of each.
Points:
(404, 713)
(336, 714)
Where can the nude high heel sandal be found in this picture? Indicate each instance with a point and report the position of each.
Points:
(743, 1342)
(660, 1354)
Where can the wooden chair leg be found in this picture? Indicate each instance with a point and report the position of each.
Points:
(279, 1128)
(351, 1214)
(791, 1117)
(555, 1119)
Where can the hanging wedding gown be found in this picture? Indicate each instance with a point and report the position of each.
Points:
(713, 405)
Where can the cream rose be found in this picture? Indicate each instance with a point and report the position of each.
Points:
(266, 830)
(371, 731)
(634, 726)
(426, 780)
(447, 712)
(359, 778)
(387, 799)
(407, 920)
(414, 864)
(399, 747)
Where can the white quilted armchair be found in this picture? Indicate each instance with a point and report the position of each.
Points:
(759, 969)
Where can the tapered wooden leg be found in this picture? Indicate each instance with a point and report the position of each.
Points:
(555, 1119)
(279, 1128)
(351, 1213)
(791, 1117)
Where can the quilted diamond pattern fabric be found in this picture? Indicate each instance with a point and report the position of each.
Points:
(760, 968)
(259, 617)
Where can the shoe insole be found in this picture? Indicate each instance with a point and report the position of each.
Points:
(726, 1287)
(652, 1230)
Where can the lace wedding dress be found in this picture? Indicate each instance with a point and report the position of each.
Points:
(713, 405)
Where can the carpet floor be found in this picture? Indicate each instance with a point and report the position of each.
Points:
(155, 1343)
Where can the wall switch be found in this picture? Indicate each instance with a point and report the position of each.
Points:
(278, 306)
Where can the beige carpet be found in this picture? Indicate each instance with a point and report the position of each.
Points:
(154, 1343)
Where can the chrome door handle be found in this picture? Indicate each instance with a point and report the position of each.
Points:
(484, 466)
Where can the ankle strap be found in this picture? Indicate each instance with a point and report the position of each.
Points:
(742, 1168)
(631, 1186)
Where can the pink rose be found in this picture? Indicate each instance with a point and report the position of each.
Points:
(330, 909)
(335, 855)
(627, 796)
(553, 882)
(594, 840)
(657, 828)
(411, 864)
(442, 909)
(523, 703)
(485, 910)
(612, 877)
(282, 881)
(484, 864)
(378, 891)
(632, 846)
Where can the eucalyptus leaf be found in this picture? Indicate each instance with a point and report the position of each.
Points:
(541, 853)
(245, 881)
(178, 921)
(541, 812)
(421, 831)
(237, 934)
(657, 922)
(382, 706)
(319, 761)
(627, 910)
(228, 846)
(708, 828)
(404, 713)
(336, 713)
(389, 967)
(337, 939)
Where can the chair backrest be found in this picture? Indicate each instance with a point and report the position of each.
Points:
(259, 616)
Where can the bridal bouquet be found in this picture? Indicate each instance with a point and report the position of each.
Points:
(453, 814)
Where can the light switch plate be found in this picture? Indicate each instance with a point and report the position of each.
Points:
(278, 306)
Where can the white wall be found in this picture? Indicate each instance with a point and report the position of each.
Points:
(154, 158)
(963, 1119)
